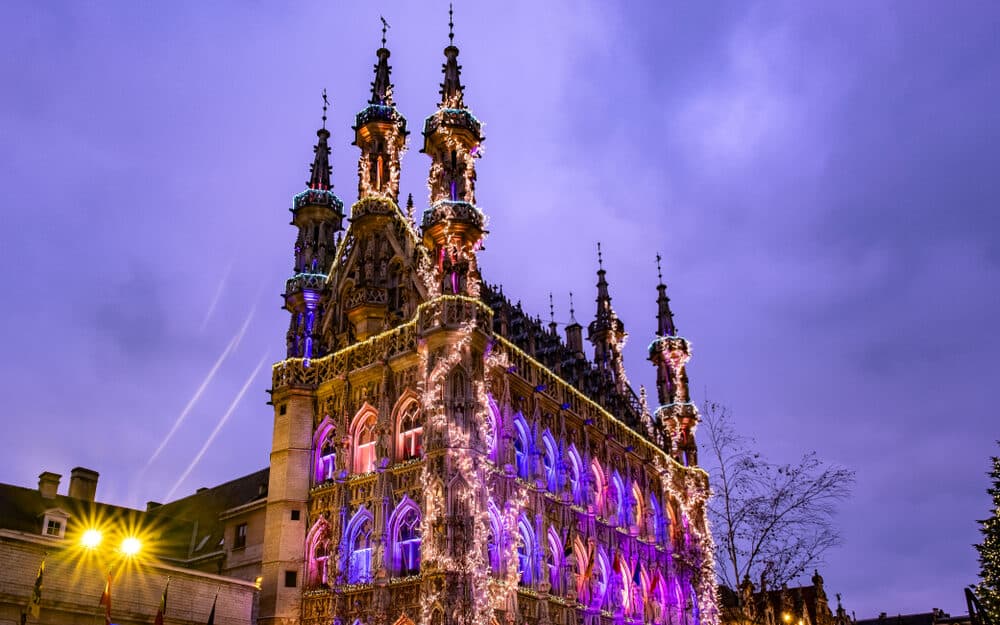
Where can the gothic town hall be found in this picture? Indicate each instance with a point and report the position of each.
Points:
(442, 458)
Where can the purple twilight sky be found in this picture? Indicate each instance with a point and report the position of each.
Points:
(821, 179)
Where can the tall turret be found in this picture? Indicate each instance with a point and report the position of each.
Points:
(677, 416)
(380, 133)
(607, 332)
(319, 215)
(452, 226)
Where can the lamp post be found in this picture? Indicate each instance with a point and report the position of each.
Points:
(130, 547)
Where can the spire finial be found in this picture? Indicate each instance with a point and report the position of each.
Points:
(451, 25)
(572, 313)
(600, 259)
(326, 105)
(385, 27)
(659, 272)
(552, 309)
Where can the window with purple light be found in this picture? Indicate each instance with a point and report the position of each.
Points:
(493, 541)
(325, 451)
(360, 565)
(408, 543)
(522, 448)
(553, 562)
(550, 460)
(525, 552)
(573, 474)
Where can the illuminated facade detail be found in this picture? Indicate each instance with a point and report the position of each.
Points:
(461, 463)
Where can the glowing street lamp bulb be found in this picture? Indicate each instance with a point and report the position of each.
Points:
(91, 539)
(131, 546)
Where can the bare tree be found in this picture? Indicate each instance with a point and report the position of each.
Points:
(771, 522)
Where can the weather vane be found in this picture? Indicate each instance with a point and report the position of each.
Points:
(326, 105)
(451, 25)
(385, 27)
(571, 305)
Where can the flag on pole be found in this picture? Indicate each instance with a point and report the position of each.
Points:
(620, 567)
(637, 574)
(211, 615)
(35, 604)
(161, 612)
(106, 601)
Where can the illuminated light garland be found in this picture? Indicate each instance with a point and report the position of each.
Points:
(396, 147)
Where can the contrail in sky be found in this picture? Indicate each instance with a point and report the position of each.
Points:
(201, 389)
(215, 298)
(218, 427)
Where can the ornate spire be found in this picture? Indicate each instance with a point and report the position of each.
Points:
(319, 177)
(664, 318)
(381, 87)
(552, 315)
(572, 313)
(606, 332)
(452, 92)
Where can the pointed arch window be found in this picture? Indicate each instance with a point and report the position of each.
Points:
(364, 442)
(554, 562)
(325, 452)
(493, 539)
(551, 461)
(522, 448)
(525, 552)
(408, 542)
(599, 579)
(573, 474)
(360, 565)
(637, 509)
(318, 541)
(596, 486)
(411, 432)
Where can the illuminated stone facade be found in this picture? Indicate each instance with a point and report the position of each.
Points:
(456, 460)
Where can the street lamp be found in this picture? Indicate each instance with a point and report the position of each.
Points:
(91, 538)
(131, 546)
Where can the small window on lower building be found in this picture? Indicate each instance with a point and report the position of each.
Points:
(240, 540)
(53, 528)
(283, 408)
(295, 515)
(291, 579)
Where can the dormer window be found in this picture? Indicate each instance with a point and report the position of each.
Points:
(54, 528)
(54, 523)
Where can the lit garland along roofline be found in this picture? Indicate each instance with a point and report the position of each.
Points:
(572, 389)
(399, 213)
(507, 345)
(387, 333)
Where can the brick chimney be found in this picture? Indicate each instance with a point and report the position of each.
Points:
(83, 484)
(48, 484)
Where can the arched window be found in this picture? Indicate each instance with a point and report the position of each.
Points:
(494, 538)
(493, 419)
(363, 435)
(525, 552)
(693, 605)
(554, 561)
(551, 461)
(411, 432)
(613, 500)
(318, 553)
(359, 567)
(658, 531)
(522, 448)
(599, 579)
(408, 543)
(596, 495)
(573, 465)
(324, 447)
(637, 512)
